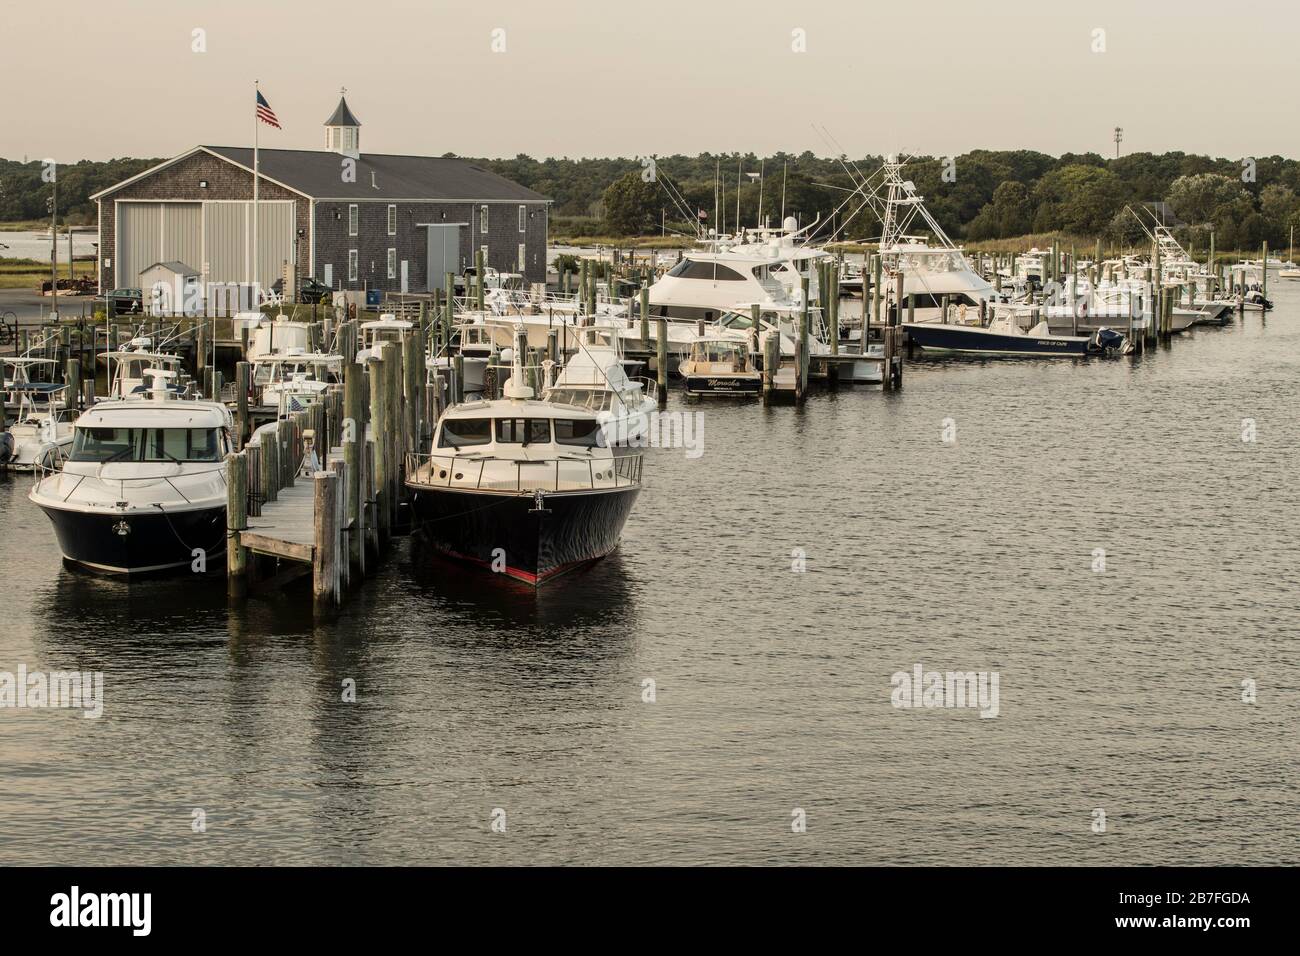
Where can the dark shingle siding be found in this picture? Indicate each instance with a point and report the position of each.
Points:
(372, 241)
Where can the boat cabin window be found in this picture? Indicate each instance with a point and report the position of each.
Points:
(523, 431)
(462, 432)
(924, 300)
(146, 444)
(690, 269)
(584, 432)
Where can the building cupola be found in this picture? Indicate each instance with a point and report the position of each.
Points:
(343, 130)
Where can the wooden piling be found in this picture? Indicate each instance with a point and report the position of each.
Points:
(243, 378)
(236, 517)
(661, 359)
(324, 570)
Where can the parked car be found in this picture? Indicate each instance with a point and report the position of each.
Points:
(123, 302)
(309, 290)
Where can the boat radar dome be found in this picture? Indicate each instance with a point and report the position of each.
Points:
(790, 224)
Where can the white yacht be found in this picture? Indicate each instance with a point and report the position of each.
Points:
(144, 486)
(129, 369)
(387, 328)
(40, 434)
(932, 274)
(289, 382)
(705, 283)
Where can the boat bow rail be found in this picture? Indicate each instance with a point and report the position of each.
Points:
(124, 493)
(521, 476)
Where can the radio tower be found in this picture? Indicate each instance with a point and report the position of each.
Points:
(1119, 136)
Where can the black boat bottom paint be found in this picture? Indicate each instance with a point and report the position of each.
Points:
(138, 543)
(511, 535)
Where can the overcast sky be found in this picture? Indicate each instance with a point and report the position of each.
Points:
(628, 78)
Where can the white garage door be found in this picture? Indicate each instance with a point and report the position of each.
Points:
(149, 232)
(228, 240)
(213, 238)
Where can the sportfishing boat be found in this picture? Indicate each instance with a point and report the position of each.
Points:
(595, 377)
(705, 283)
(387, 328)
(720, 366)
(272, 336)
(40, 434)
(523, 487)
(129, 369)
(144, 487)
(1004, 336)
(934, 276)
(289, 382)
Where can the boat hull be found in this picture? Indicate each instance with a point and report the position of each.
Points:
(139, 543)
(507, 533)
(723, 385)
(977, 341)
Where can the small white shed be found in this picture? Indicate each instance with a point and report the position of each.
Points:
(172, 288)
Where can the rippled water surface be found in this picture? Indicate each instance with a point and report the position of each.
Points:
(1119, 691)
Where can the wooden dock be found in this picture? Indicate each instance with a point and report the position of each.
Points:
(320, 488)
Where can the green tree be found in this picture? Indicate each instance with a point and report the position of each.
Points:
(632, 205)
(1077, 199)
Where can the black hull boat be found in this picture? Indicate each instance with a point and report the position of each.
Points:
(713, 385)
(937, 337)
(139, 543)
(528, 489)
(528, 537)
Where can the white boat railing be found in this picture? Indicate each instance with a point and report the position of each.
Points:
(521, 476)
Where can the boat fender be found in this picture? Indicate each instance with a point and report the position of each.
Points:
(6, 448)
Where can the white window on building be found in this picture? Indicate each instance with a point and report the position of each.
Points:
(353, 265)
(484, 250)
(482, 219)
(392, 263)
(523, 257)
(354, 218)
(523, 218)
(392, 219)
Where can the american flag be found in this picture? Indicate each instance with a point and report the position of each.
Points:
(264, 111)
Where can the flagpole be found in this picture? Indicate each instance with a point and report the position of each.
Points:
(256, 123)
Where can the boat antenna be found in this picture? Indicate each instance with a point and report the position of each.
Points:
(740, 165)
(516, 389)
(785, 168)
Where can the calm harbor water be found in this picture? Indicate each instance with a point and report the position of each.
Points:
(1120, 691)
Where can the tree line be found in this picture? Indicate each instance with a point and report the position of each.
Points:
(980, 195)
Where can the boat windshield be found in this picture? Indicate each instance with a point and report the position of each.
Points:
(584, 432)
(146, 444)
(712, 271)
(463, 432)
(593, 398)
(717, 352)
(523, 431)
